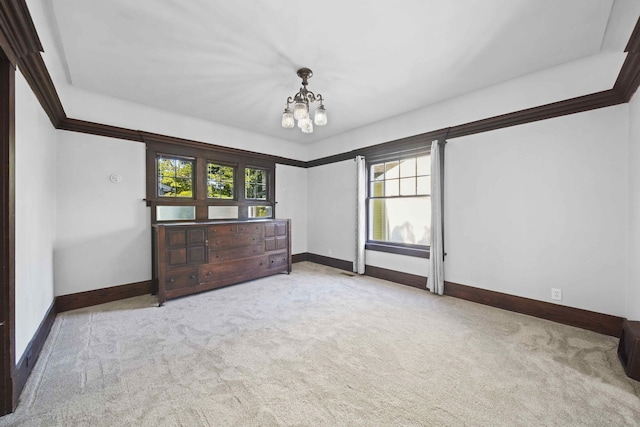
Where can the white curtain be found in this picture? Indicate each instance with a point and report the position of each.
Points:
(435, 281)
(361, 209)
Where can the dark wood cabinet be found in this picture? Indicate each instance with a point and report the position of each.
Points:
(629, 348)
(196, 257)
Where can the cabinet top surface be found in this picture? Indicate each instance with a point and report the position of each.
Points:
(205, 223)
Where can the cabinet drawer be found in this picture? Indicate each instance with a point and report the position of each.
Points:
(181, 279)
(233, 271)
(250, 229)
(278, 260)
(226, 242)
(222, 230)
(217, 256)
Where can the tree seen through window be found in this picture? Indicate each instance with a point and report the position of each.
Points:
(255, 184)
(175, 177)
(220, 181)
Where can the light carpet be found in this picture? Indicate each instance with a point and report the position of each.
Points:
(320, 348)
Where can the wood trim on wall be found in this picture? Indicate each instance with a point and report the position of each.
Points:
(21, 46)
(584, 319)
(8, 397)
(330, 262)
(299, 257)
(21, 35)
(590, 320)
(32, 352)
(100, 296)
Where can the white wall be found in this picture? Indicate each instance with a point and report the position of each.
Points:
(84, 105)
(528, 208)
(632, 295)
(35, 214)
(331, 203)
(103, 236)
(291, 199)
(597, 73)
(542, 206)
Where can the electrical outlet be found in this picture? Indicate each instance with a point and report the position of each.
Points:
(556, 294)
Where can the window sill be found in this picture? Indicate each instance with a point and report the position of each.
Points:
(399, 249)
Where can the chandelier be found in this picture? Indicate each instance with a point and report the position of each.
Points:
(300, 103)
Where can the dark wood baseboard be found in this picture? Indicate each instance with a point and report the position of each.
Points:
(299, 257)
(32, 351)
(590, 320)
(597, 322)
(101, 296)
(413, 280)
(330, 262)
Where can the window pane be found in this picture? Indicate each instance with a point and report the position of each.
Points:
(175, 177)
(408, 187)
(424, 165)
(173, 213)
(392, 187)
(250, 192)
(255, 184)
(408, 167)
(406, 220)
(223, 212)
(377, 189)
(220, 181)
(260, 192)
(377, 171)
(424, 185)
(183, 168)
(392, 169)
(378, 229)
(260, 211)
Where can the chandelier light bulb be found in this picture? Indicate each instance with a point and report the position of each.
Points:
(300, 110)
(320, 118)
(303, 122)
(287, 119)
(307, 126)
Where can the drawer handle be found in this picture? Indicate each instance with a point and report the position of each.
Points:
(217, 242)
(172, 280)
(193, 276)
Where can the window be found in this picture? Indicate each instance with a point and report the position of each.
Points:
(260, 212)
(191, 181)
(175, 177)
(220, 181)
(255, 184)
(399, 204)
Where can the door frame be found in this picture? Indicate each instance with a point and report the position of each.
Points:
(8, 398)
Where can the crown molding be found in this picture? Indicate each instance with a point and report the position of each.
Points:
(19, 39)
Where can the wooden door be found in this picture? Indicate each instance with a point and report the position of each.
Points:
(185, 246)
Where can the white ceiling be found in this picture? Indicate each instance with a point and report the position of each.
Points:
(235, 62)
